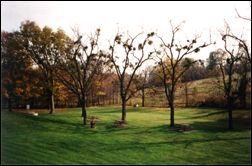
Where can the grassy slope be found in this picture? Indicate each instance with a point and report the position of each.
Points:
(62, 139)
(199, 91)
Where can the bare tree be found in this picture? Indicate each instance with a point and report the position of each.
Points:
(236, 44)
(79, 65)
(142, 83)
(244, 60)
(134, 57)
(169, 59)
(242, 17)
(236, 51)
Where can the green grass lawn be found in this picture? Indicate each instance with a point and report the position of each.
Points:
(62, 139)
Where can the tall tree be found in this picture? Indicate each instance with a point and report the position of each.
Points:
(245, 62)
(237, 53)
(229, 81)
(239, 49)
(78, 66)
(169, 58)
(134, 57)
(45, 47)
(15, 64)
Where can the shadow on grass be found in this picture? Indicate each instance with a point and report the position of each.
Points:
(116, 110)
(50, 119)
(110, 111)
(220, 126)
(214, 126)
(206, 115)
(105, 127)
(173, 141)
(53, 122)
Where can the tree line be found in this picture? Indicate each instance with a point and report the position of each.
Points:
(43, 65)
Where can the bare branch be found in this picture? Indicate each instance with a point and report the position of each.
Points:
(248, 19)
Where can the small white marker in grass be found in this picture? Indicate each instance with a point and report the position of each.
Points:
(33, 113)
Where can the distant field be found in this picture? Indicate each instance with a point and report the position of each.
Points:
(199, 91)
(62, 139)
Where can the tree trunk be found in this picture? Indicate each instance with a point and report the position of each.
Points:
(49, 102)
(143, 97)
(84, 112)
(230, 119)
(172, 114)
(52, 107)
(123, 110)
(230, 115)
(87, 100)
(51, 94)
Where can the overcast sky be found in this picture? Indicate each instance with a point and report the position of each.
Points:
(200, 17)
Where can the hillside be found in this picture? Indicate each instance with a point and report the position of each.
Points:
(204, 92)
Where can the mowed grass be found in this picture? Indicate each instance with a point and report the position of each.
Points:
(62, 139)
